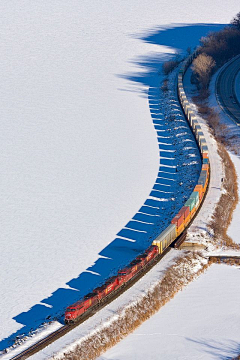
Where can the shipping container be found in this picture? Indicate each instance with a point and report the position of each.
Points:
(205, 161)
(185, 210)
(190, 203)
(194, 195)
(190, 114)
(197, 204)
(202, 182)
(202, 143)
(178, 219)
(197, 128)
(199, 189)
(192, 213)
(194, 122)
(180, 228)
(200, 135)
(203, 175)
(205, 149)
(205, 167)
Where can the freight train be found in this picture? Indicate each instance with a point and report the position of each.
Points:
(94, 299)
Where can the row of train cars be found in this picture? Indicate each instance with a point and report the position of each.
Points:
(94, 299)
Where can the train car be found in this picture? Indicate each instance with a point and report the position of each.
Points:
(137, 264)
(200, 136)
(195, 195)
(143, 259)
(165, 238)
(186, 214)
(205, 167)
(191, 204)
(178, 221)
(74, 311)
(151, 252)
(110, 285)
(124, 275)
(177, 226)
(90, 299)
(205, 160)
(199, 188)
(100, 291)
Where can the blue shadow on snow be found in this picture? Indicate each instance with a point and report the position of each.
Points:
(165, 199)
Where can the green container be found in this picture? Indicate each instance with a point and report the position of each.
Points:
(195, 196)
(190, 203)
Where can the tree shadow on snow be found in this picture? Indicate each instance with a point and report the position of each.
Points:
(226, 350)
(161, 205)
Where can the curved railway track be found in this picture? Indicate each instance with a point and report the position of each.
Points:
(107, 300)
(113, 295)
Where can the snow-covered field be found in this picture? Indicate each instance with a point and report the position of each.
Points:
(201, 322)
(79, 154)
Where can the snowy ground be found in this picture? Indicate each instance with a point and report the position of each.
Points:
(79, 154)
(201, 322)
(234, 228)
(198, 230)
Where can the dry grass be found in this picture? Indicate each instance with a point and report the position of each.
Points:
(223, 213)
(228, 201)
(176, 277)
(228, 261)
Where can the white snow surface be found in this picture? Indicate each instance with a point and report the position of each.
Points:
(201, 322)
(198, 230)
(79, 154)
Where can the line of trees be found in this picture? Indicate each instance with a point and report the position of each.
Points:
(214, 51)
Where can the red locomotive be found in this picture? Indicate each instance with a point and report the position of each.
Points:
(74, 311)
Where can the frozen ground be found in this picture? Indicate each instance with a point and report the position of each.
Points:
(198, 231)
(201, 322)
(79, 154)
(234, 228)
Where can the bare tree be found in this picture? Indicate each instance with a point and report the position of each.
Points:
(202, 68)
(236, 21)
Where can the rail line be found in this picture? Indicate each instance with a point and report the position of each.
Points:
(107, 300)
(113, 295)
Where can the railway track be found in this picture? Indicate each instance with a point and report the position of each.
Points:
(108, 299)
(66, 328)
